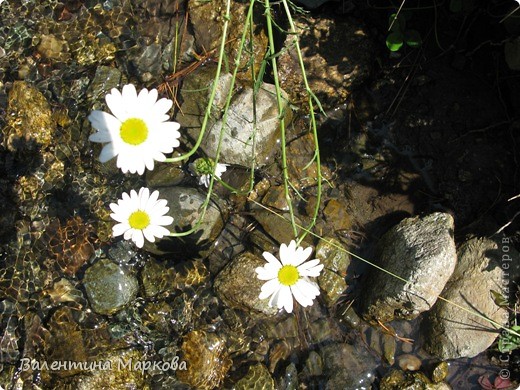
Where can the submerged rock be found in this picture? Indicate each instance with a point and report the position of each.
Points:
(185, 209)
(257, 378)
(332, 278)
(30, 126)
(348, 366)
(207, 20)
(451, 332)
(158, 278)
(206, 360)
(238, 286)
(241, 133)
(109, 286)
(418, 250)
(401, 380)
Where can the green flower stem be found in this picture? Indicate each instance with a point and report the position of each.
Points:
(204, 206)
(312, 97)
(272, 55)
(229, 97)
(207, 114)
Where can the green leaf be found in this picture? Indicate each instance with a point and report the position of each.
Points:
(455, 6)
(413, 38)
(399, 24)
(508, 342)
(394, 41)
(499, 299)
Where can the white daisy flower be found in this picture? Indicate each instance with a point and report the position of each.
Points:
(204, 167)
(289, 277)
(140, 215)
(137, 132)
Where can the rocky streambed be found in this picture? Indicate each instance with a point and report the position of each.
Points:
(411, 188)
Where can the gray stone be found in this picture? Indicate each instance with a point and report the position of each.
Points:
(452, 332)
(240, 129)
(238, 286)
(109, 286)
(418, 250)
(185, 209)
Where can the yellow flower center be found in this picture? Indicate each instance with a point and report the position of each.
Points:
(139, 220)
(288, 275)
(133, 131)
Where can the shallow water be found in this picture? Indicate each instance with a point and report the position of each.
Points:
(55, 226)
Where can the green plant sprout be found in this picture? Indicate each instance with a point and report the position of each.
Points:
(399, 35)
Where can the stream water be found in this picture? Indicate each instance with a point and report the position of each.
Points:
(70, 292)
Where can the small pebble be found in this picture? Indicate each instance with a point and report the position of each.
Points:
(409, 362)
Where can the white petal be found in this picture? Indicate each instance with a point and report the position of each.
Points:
(116, 104)
(313, 271)
(120, 229)
(301, 255)
(300, 296)
(137, 237)
(162, 106)
(269, 288)
(108, 152)
(103, 121)
(285, 299)
(271, 259)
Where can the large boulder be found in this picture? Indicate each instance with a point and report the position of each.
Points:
(419, 257)
(451, 329)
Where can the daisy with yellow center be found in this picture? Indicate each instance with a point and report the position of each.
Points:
(289, 277)
(138, 131)
(140, 215)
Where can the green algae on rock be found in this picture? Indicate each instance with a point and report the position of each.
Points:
(109, 286)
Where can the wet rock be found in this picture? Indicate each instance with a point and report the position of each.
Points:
(104, 80)
(206, 359)
(336, 214)
(419, 250)
(399, 380)
(29, 119)
(348, 366)
(207, 21)
(275, 197)
(237, 142)
(257, 378)
(53, 48)
(451, 332)
(409, 362)
(185, 209)
(159, 278)
(238, 286)
(165, 175)
(120, 376)
(70, 244)
(290, 379)
(69, 340)
(279, 229)
(440, 372)
(146, 60)
(389, 346)
(109, 286)
(332, 73)
(300, 152)
(332, 278)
